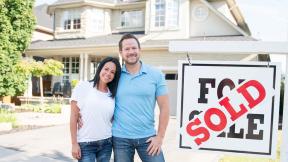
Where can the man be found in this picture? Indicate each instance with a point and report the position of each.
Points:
(139, 88)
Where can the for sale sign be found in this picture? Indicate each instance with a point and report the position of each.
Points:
(229, 106)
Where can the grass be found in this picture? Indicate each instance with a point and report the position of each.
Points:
(47, 108)
(7, 117)
(253, 159)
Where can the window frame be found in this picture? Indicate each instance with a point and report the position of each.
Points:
(169, 15)
(71, 20)
(130, 16)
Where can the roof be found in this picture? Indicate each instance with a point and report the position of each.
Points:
(59, 2)
(240, 25)
(236, 13)
(42, 18)
(112, 40)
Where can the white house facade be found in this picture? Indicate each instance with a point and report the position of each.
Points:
(85, 31)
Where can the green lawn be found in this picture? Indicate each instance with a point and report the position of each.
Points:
(252, 159)
(6, 116)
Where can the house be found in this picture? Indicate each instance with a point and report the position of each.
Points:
(44, 27)
(85, 31)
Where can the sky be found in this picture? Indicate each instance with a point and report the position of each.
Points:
(267, 20)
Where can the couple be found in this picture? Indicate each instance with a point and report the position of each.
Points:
(139, 87)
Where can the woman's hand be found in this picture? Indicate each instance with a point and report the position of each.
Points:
(76, 151)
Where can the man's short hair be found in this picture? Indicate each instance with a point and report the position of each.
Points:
(127, 36)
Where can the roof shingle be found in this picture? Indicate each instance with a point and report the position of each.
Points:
(112, 40)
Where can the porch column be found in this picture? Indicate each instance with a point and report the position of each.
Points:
(81, 67)
(86, 56)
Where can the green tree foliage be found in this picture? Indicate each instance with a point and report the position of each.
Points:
(12, 80)
(16, 26)
(39, 69)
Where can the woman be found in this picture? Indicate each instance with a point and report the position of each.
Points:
(95, 102)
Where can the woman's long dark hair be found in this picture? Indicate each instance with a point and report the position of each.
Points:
(114, 83)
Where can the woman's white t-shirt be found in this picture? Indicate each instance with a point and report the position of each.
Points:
(96, 109)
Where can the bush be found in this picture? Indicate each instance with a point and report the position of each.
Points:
(74, 83)
(53, 108)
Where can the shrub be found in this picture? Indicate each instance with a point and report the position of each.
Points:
(53, 108)
(74, 83)
(47, 108)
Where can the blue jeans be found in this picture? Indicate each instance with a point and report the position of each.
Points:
(124, 150)
(96, 151)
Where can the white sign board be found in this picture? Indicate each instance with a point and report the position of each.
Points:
(230, 107)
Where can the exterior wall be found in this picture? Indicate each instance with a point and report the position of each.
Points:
(60, 33)
(168, 62)
(222, 7)
(172, 93)
(41, 36)
(213, 25)
(187, 27)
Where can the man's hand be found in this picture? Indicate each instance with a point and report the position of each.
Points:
(154, 147)
(76, 151)
(79, 121)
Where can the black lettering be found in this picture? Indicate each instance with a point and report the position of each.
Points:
(252, 126)
(203, 89)
(233, 134)
(222, 84)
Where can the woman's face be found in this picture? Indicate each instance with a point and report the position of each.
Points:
(107, 73)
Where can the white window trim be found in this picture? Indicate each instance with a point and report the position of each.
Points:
(132, 27)
(70, 73)
(70, 15)
(165, 27)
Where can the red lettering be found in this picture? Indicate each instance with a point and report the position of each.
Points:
(198, 131)
(216, 127)
(258, 86)
(234, 115)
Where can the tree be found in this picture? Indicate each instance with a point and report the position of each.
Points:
(16, 26)
(40, 69)
(13, 79)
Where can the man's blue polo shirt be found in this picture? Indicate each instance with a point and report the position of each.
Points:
(135, 102)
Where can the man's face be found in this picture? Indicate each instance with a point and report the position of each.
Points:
(130, 51)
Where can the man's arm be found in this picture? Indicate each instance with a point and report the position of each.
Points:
(156, 142)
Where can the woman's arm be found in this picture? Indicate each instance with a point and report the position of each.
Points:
(76, 152)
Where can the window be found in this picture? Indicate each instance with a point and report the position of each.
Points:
(67, 24)
(172, 13)
(71, 20)
(97, 22)
(71, 66)
(171, 76)
(66, 63)
(200, 12)
(75, 65)
(77, 24)
(166, 13)
(132, 19)
(159, 13)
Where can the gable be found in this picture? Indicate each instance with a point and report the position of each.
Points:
(207, 20)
